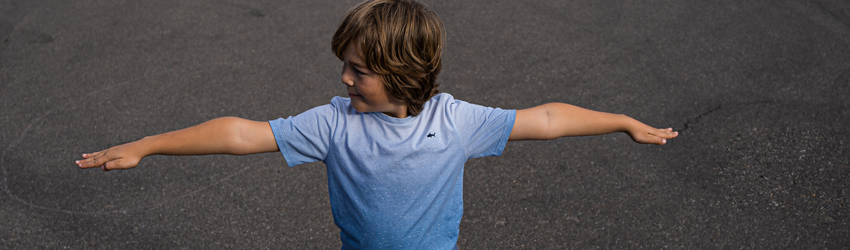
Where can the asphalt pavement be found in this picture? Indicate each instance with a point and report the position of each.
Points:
(759, 90)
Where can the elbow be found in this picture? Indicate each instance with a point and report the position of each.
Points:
(236, 142)
(550, 129)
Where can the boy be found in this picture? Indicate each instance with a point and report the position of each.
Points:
(395, 148)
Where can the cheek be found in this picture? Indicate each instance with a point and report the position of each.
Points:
(371, 89)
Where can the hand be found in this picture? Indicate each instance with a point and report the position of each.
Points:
(649, 135)
(118, 157)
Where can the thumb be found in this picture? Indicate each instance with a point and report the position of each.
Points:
(120, 164)
(109, 165)
(651, 139)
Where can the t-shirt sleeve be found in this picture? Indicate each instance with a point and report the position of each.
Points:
(305, 137)
(484, 131)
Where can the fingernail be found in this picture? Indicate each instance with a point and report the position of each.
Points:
(663, 141)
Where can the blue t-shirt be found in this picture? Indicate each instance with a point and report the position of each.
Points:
(395, 183)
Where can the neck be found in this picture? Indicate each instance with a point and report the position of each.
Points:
(397, 114)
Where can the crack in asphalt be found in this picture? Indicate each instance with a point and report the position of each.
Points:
(695, 120)
(823, 14)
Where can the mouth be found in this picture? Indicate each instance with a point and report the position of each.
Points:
(353, 95)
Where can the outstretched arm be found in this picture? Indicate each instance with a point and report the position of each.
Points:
(227, 135)
(556, 120)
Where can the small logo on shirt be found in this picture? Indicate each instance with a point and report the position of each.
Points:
(432, 134)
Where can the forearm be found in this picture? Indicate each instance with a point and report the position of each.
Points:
(568, 120)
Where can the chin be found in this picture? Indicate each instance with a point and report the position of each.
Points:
(360, 107)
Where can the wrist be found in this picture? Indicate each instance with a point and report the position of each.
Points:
(143, 147)
(628, 124)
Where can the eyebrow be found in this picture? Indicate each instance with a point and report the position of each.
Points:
(362, 68)
(356, 64)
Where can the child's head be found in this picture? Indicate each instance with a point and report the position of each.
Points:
(400, 40)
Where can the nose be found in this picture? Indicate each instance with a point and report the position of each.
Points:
(346, 77)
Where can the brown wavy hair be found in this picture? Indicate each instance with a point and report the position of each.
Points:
(400, 40)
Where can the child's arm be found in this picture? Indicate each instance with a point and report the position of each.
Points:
(555, 120)
(228, 135)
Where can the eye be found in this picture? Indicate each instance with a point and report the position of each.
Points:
(354, 68)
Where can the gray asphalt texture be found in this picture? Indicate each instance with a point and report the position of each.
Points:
(759, 90)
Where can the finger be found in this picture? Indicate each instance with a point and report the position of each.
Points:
(98, 161)
(85, 164)
(657, 138)
(91, 162)
(672, 134)
(663, 138)
(667, 133)
(89, 155)
(654, 138)
(82, 163)
(95, 159)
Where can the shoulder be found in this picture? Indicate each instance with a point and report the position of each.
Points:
(328, 112)
(443, 101)
(340, 106)
(448, 102)
(441, 98)
(446, 105)
(441, 104)
(340, 103)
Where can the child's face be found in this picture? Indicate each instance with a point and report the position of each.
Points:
(366, 88)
